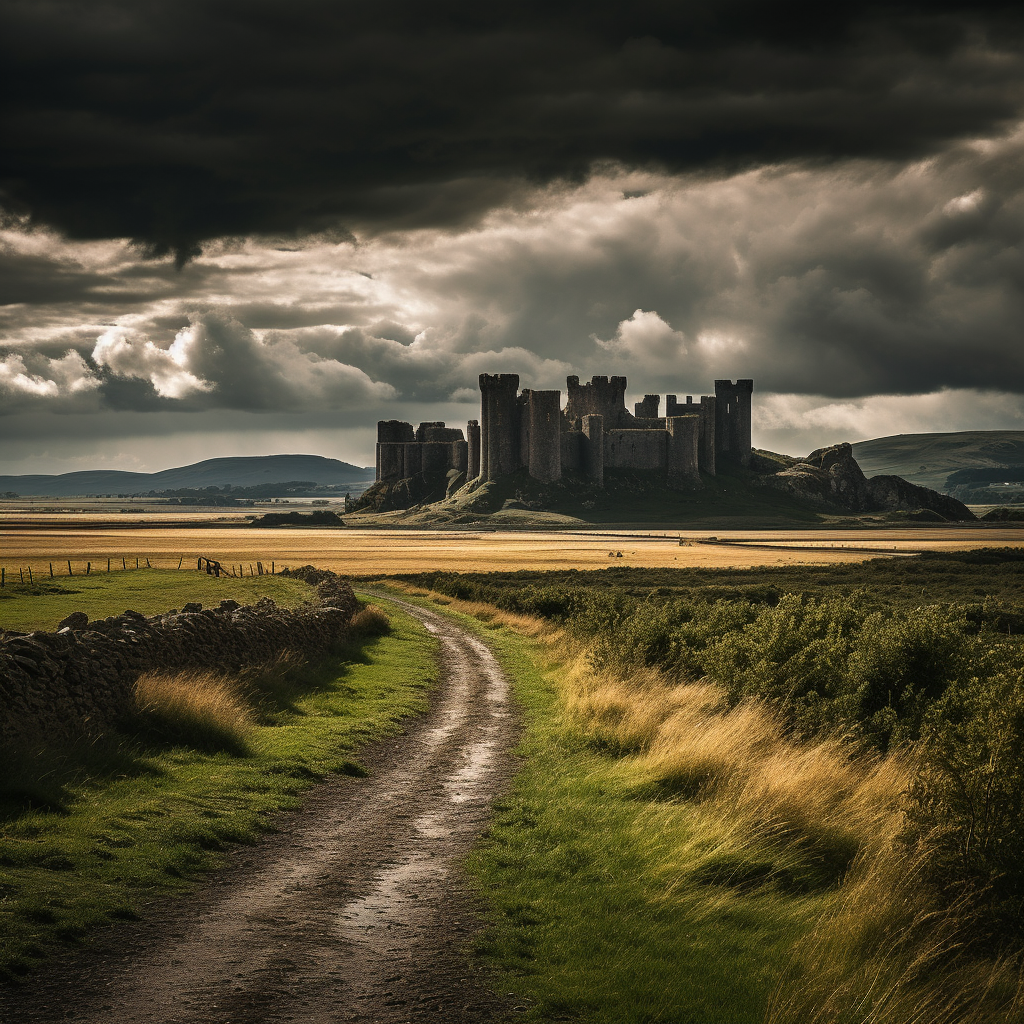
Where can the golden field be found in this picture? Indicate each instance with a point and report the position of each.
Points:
(363, 552)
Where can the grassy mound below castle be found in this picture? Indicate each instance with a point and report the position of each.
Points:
(735, 497)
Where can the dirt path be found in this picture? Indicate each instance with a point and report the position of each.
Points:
(356, 911)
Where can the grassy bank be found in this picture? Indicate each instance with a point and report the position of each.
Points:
(667, 855)
(148, 591)
(94, 833)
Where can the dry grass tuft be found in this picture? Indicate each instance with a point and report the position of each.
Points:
(371, 621)
(202, 709)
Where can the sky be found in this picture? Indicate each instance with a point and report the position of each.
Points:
(243, 227)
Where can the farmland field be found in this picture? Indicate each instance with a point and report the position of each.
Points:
(372, 552)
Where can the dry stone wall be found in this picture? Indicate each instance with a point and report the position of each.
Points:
(79, 679)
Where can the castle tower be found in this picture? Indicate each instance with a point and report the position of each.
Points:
(603, 396)
(648, 408)
(543, 419)
(705, 409)
(392, 436)
(499, 424)
(732, 419)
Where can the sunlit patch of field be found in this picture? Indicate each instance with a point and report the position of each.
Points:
(365, 552)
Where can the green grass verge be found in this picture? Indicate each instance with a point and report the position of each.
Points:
(148, 591)
(126, 822)
(593, 916)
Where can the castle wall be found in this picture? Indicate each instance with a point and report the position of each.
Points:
(570, 444)
(473, 449)
(413, 459)
(523, 414)
(648, 408)
(706, 440)
(635, 449)
(438, 432)
(390, 461)
(592, 448)
(436, 457)
(458, 455)
(425, 428)
(682, 450)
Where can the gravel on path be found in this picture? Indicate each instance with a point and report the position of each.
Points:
(357, 910)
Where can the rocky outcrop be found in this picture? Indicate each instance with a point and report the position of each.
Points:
(79, 679)
(831, 479)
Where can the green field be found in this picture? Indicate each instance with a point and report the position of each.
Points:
(94, 832)
(148, 591)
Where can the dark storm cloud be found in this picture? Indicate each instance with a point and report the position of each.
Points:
(177, 121)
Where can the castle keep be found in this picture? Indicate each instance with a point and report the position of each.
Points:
(594, 432)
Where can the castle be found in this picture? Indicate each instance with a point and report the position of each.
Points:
(530, 430)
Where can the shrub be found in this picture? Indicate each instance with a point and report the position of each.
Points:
(970, 793)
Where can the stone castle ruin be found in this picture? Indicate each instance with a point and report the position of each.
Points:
(530, 430)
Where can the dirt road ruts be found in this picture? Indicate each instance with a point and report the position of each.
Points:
(355, 911)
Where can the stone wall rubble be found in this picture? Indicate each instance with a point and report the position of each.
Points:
(79, 679)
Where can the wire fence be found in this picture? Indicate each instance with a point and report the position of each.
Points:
(63, 568)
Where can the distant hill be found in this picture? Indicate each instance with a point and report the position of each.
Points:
(928, 459)
(239, 472)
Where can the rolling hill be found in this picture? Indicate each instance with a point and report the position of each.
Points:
(927, 459)
(237, 471)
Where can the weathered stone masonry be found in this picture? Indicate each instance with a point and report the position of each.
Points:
(80, 678)
(529, 430)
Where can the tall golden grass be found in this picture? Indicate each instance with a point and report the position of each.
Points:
(888, 949)
(203, 709)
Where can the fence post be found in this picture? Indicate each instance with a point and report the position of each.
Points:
(136, 563)
(88, 568)
(3, 577)
(51, 570)
(108, 565)
(148, 566)
(22, 573)
(180, 560)
(70, 573)
(199, 562)
(124, 564)
(271, 568)
(30, 575)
